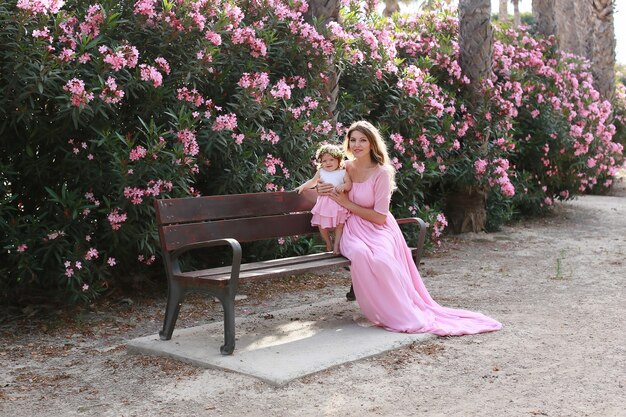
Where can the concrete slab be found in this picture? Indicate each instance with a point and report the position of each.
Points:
(280, 346)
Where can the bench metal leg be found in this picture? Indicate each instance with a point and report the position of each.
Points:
(228, 303)
(175, 297)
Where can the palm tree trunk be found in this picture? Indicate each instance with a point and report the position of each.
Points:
(584, 27)
(391, 6)
(465, 206)
(603, 48)
(326, 11)
(566, 29)
(545, 20)
(517, 20)
(475, 43)
(503, 12)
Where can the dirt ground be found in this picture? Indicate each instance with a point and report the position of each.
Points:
(557, 284)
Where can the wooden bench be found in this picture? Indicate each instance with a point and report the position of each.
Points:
(226, 220)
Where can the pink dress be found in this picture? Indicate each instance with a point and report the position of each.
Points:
(327, 213)
(387, 284)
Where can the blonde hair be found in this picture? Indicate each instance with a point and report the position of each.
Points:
(332, 150)
(378, 147)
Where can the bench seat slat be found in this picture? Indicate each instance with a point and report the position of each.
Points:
(255, 270)
(269, 263)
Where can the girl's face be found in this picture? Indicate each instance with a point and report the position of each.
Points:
(329, 162)
(359, 144)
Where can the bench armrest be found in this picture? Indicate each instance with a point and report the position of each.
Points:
(235, 264)
(420, 237)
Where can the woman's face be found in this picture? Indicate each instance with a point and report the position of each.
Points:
(329, 162)
(359, 144)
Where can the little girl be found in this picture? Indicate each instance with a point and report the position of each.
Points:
(327, 214)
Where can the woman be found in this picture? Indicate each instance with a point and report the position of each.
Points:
(386, 281)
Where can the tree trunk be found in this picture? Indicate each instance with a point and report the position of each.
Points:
(391, 6)
(566, 26)
(545, 20)
(326, 11)
(465, 206)
(465, 209)
(603, 48)
(517, 20)
(503, 12)
(475, 43)
(584, 27)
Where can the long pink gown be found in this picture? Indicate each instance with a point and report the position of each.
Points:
(387, 284)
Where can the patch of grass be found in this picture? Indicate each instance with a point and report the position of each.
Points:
(559, 274)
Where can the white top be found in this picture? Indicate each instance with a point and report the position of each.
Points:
(334, 177)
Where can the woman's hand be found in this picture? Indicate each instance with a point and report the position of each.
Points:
(340, 198)
(324, 188)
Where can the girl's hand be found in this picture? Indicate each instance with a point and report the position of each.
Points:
(340, 188)
(324, 188)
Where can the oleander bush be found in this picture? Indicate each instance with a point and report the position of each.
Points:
(109, 105)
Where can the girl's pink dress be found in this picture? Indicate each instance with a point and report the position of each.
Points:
(327, 213)
(387, 284)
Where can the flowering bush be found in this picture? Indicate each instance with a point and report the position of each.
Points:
(562, 137)
(109, 105)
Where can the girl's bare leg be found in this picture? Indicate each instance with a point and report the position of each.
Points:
(326, 236)
(338, 232)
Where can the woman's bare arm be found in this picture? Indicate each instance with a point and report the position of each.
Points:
(363, 212)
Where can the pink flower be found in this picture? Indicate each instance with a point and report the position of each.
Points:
(42, 34)
(188, 139)
(111, 261)
(150, 73)
(281, 90)
(419, 167)
(238, 138)
(213, 37)
(480, 166)
(41, 6)
(79, 96)
(92, 253)
(163, 64)
(110, 93)
(116, 218)
(137, 153)
(22, 247)
(146, 8)
(270, 136)
(225, 122)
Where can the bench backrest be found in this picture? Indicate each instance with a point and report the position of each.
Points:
(245, 217)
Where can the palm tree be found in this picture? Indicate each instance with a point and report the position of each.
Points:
(517, 20)
(325, 11)
(603, 48)
(391, 6)
(543, 12)
(466, 205)
(566, 18)
(503, 12)
(585, 28)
